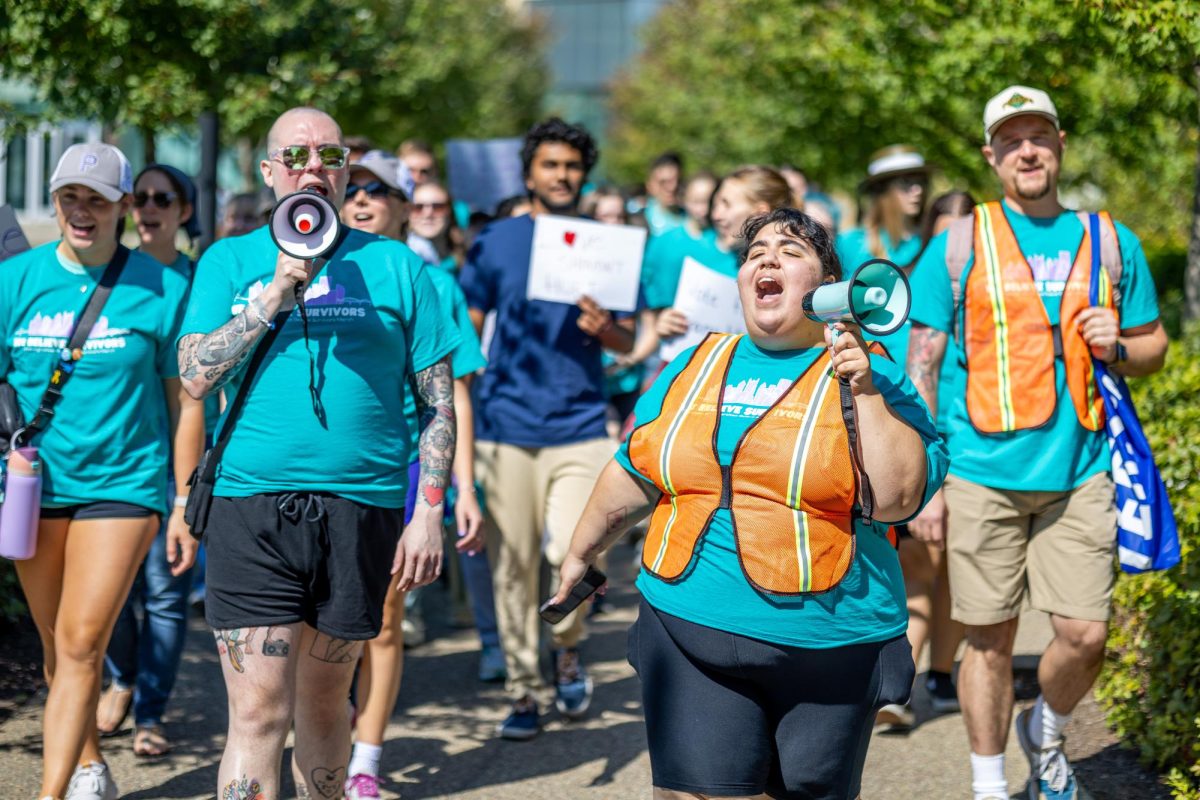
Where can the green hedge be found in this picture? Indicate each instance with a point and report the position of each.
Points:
(1151, 682)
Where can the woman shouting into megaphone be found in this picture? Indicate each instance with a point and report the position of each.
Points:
(771, 465)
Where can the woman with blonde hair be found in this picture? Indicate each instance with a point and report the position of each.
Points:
(741, 194)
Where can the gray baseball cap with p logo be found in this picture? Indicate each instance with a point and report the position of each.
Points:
(97, 166)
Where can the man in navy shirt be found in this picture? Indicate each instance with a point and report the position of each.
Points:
(539, 420)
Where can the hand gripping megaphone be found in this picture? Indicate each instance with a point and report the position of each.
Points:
(876, 297)
(305, 225)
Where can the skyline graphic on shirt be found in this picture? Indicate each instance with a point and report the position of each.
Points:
(753, 392)
(61, 324)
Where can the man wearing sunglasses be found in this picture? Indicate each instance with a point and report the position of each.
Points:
(310, 492)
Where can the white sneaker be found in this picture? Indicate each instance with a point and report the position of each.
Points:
(92, 781)
(894, 718)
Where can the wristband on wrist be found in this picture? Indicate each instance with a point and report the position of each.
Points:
(258, 313)
(180, 501)
(1120, 355)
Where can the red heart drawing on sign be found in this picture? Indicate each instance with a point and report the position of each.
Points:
(569, 238)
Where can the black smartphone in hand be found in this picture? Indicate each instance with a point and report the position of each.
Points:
(553, 613)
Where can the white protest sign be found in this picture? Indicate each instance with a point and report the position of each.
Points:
(574, 257)
(710, 301)
(12, 238)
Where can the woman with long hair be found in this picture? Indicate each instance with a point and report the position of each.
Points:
(926, 580)
(104, 451)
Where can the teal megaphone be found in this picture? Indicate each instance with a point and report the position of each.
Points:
(876, 297)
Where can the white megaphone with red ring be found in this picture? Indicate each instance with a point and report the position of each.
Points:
(305, 225)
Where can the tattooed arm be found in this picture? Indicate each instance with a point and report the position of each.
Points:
(419, 554)
(207, 362)
(618, 501)
(926, 348)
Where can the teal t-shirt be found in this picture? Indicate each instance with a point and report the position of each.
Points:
(1061, 454)
(466, 358)
(374, 319)
(109, 438)
(869, 604)
(660, 219)
(664, 262)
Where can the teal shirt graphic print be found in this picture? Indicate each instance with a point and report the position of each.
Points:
(108, 439)
(374, 320)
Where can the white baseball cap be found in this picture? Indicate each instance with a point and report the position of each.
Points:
(389, 169)
(1015, 101)
(97, 166)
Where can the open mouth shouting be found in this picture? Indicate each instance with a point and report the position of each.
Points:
(767, 289)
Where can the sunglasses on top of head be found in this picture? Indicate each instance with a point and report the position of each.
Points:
(160, 199)
(296, 156)
(375, 189)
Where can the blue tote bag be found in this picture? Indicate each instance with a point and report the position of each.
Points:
(1147, 538)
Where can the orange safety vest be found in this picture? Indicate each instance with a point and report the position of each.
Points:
(1009, 341)
(791, 487)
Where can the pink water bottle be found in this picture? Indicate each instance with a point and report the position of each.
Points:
(22, 508)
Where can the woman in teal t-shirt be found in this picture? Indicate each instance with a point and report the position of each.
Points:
(104, 452)
(143, 656)
(377, 202)
(773, 605)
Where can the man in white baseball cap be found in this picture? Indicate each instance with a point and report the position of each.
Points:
(1028, 502)
(97, 166)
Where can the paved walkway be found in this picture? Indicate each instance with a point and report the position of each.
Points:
(440, 742)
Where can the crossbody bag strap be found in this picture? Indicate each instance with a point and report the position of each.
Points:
(866, 500)
(235, 408)
(69, 356)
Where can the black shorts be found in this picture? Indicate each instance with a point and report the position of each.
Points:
(276, 559)
(731, 716)
(103, 509)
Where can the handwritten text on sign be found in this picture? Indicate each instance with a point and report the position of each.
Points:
(710, 302)
(573, 257)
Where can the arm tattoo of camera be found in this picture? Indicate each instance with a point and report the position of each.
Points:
(211, 360)
(926, 347)
(435, 449)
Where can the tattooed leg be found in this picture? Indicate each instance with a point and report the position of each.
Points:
(324, 673)
(259, 665)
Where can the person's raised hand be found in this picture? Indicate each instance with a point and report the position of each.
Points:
(593, 320)
(1099, 327)
(851, 360)
(291, 271)
(670, 323)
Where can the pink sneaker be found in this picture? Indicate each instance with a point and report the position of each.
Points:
(362, 786)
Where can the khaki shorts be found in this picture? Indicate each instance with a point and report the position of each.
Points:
(1056, 546)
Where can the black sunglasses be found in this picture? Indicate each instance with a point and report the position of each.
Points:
(160, 199)
(374, 189)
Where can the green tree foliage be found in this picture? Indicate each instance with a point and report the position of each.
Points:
(385, 68)
(1151, 681)
(825, 84)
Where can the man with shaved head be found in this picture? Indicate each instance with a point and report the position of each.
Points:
(304, 531)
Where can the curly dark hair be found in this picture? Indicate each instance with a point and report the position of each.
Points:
(555, 130)
(804, 228)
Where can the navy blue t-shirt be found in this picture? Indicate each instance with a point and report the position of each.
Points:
(544, 383)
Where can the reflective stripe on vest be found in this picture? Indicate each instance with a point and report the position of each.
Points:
(794, 526)
(1009, 340)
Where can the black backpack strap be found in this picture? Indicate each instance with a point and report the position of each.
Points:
(235, 408)
(70, 355)
(850, 418)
